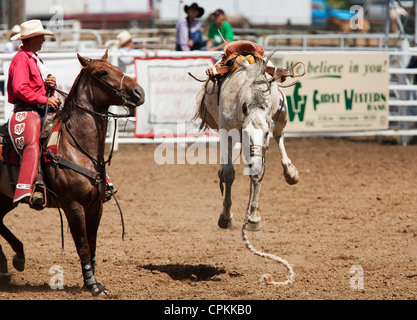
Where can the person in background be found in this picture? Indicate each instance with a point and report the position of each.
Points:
(125, 43)
(215, 41)
(12, 46)
(126, 63)
(189, 35)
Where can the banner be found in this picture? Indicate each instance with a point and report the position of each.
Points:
(65, 71)
(339, 92)
(170, 94)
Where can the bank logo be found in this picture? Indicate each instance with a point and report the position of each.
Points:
(296, 104)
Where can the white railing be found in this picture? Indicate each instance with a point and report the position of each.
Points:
(403, 92)
(336, 41)
(399, 119)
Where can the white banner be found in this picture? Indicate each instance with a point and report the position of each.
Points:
(65, 71)
(170, 94)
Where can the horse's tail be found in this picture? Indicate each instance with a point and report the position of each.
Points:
(201, 108)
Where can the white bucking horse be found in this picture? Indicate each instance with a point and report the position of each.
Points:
(242, 97)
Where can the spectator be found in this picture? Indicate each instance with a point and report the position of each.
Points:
(411, 65)
(189, 35)
(126, 63)
(215, 41)
(12, 46)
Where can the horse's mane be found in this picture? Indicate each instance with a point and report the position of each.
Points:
(255, 76)
(70, 101)
(69, 104)
(256, 70)
(258, 84)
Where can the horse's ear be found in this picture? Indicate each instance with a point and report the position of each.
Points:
(105, 55)
(83, 61)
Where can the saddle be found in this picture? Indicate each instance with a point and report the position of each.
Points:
(235, 52)
(48, 141)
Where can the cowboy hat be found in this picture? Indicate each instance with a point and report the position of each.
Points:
(218, 12)
(123, 37)
(194, 6)
(31, 28)
(13, 31)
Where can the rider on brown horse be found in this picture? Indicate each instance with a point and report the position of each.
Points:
(28, 88)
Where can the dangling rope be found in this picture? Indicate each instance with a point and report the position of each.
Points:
(266, 278)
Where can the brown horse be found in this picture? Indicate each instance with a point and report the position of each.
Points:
(77, 173)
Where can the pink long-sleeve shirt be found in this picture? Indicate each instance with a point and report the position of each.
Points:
(25, 81)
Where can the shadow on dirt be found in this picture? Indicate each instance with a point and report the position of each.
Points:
(187, 272)
(7, 285)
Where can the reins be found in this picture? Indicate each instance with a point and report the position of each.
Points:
(265, 278)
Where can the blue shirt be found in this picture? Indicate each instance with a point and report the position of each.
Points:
(182, 35)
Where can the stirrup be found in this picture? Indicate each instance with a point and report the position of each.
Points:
(38, 203)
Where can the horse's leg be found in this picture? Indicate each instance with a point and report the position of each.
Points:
(227, 176)
(17, 246)
(93, 218)
(3, 262)
(254, 219)
(280, 121)
(77, 223)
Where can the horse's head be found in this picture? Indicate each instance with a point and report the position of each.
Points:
(255, 139)
(111, 86)
(257, 97)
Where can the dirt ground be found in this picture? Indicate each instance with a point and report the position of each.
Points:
(355, 205)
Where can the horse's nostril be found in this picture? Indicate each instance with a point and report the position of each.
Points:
(136, 92)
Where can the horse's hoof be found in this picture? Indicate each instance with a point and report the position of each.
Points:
(254, 226)
(97, 289)
(291, 176)
(19, 263)
(3, 263)
(226, 223)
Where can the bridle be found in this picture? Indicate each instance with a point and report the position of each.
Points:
(259, 151)
(104, 116)
(119, 92)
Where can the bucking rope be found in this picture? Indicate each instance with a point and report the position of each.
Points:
(265, 278)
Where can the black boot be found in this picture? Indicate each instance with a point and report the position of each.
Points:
(110, 191)
(37, 199)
